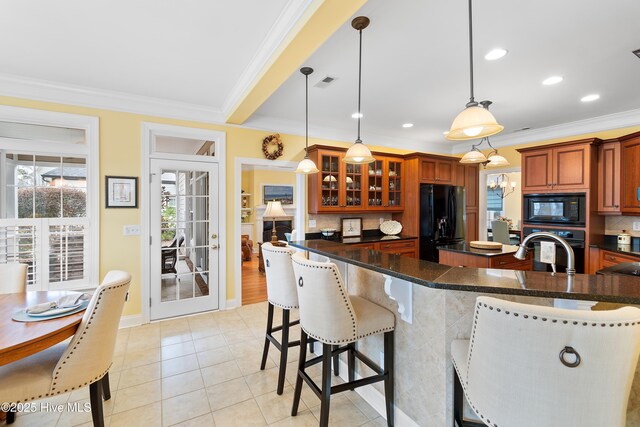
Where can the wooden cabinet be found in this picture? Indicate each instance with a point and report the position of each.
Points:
(403, 247)
(630, 188)
(345, 188)
(609, 178)
(503, 261)
(437, 171)
(558, 168)
(609, 258)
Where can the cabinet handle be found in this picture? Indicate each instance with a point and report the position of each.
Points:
(611, 258)
(616, 206)
(502, 262)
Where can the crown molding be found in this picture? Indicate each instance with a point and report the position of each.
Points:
(286, 21)
(43, 90)
(293, 127)
(579, 127)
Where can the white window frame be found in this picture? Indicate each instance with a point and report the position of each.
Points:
(89, 150)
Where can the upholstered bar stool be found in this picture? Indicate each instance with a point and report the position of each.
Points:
(528, 365)
(333, 317)
(281, 292)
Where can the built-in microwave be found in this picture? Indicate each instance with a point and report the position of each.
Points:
(565, 209)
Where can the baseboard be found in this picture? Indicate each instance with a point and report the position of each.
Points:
(130, 321)
(374, 398)
(231, 304)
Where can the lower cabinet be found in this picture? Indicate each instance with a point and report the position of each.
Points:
(609, 258)
(504, 261)
(403, 247)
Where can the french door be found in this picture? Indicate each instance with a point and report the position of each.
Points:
(184, 237)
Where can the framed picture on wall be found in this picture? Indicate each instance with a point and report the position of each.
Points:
(277, 193)
(351, 227)
(121, 191)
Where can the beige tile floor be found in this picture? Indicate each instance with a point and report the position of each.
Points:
(203, 370)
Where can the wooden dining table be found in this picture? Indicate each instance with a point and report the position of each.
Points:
(21, 339)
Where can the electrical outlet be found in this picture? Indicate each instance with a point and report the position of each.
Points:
(636, 226)
(312, 223)
(131, 230)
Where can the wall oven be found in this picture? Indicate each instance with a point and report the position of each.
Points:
(565, 209)
(575, 239)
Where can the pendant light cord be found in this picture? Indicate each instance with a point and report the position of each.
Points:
(471, 98)
(359, 85)
(306, 117)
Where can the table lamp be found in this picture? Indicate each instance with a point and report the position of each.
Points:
(274, 211)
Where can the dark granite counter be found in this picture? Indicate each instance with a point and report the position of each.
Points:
(617, 289)
(366, 238)
(466, 249)
(611, 244)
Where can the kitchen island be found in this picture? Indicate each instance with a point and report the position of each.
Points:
(463, 255)
(435, 305)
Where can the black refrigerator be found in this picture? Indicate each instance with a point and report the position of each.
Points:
(442, 218)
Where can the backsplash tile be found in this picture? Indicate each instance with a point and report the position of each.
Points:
(369, 221)
(615, 225)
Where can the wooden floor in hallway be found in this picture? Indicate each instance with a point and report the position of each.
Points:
(254, 283)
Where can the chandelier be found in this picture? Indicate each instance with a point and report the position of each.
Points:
(504, 184)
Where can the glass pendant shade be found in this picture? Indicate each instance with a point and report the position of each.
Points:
(306, 167)
(472, 123)
(358, 154)
(473, 157)
(497, 160)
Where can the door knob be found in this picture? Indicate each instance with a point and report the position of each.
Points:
(214, 246)
(214, 236)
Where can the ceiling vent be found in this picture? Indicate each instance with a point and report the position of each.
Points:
(325, 82)
(637, 53)
(521, 130)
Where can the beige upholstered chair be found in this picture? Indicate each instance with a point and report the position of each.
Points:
(500, 231)
(529, 365)
(281, 292)
(333, 317)
(84, 361)
(14, 278)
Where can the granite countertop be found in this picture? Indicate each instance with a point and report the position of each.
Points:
(466, 249)
(366, 238)
(614, 288)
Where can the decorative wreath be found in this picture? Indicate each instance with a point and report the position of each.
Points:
(272, 146)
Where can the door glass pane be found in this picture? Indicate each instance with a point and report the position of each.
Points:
(375, 183)
(185, 235)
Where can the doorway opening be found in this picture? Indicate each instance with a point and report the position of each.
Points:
(262, 181)
(500, 199)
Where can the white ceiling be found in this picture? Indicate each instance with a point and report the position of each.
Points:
(415, 69)
(189, 51)
(190, 59)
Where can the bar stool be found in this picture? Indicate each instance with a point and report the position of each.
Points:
(281, 292)
(528, 365)
(331, 316)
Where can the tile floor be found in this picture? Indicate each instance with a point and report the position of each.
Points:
(204, 370)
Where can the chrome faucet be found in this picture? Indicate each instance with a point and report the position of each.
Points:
(522, 250)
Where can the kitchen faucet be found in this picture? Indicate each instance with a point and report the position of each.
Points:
(522, 250)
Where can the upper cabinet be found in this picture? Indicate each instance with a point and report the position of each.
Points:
(344, 188)
(558, 168)
(434, 170)
(609, 178)
(630, 159)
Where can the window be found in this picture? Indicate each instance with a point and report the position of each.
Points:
(49, 202)
(494, 199)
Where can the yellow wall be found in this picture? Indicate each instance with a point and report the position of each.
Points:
(120, 152)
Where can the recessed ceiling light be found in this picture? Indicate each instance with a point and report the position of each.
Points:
(589, 98)
(407, 125)
(495, 54)
(552, 80)
(356, 115)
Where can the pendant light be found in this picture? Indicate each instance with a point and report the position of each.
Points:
(474, 121)
(359, 153)
(475, 155)
(306, 165)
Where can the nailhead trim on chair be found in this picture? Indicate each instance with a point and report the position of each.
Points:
(465, 382)
(346, 300)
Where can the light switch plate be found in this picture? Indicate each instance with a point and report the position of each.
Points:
(636, 226)
(131, 230)
(312, 223)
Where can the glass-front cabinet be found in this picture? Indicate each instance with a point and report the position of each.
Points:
(340, 187)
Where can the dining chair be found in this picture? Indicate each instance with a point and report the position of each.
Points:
(528, 365)
(85, 360)
(500, 231)
(14, 278)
